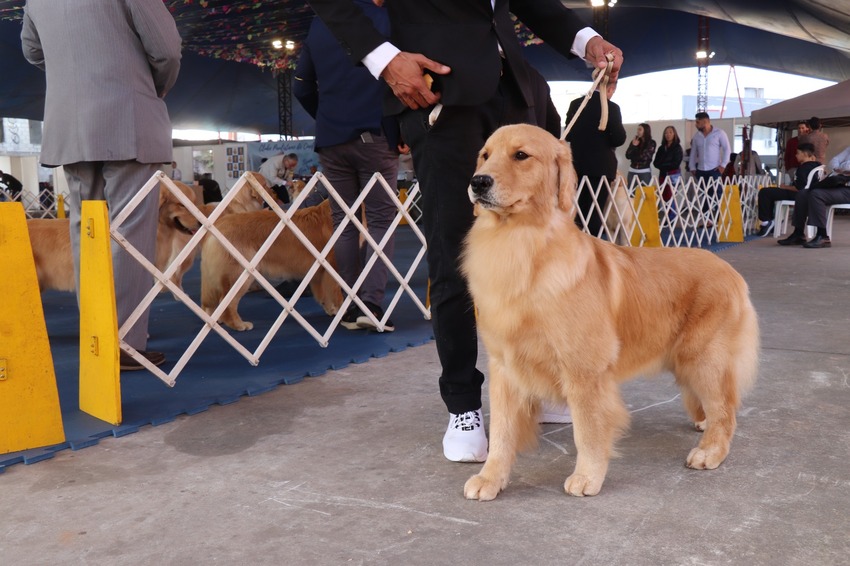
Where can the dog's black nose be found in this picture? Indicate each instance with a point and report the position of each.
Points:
(481, 184)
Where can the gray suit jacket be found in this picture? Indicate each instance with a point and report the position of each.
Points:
(108, 65)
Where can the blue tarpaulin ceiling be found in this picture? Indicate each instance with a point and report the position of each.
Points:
(227, 80)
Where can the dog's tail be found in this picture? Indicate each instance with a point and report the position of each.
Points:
(747, 360)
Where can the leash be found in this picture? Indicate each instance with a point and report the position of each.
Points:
(600, 76)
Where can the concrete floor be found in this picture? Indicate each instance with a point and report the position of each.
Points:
(347, 468)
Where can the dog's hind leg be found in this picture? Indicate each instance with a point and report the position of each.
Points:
(715, 389)
(599, 419)
(694, 408)
(512, 427)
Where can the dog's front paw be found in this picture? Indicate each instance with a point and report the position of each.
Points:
(481, 488)
(700, 425)
(580, 485)
(702, 459)
(241, 325)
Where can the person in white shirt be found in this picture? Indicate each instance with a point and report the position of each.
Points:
(279, 171)
(841, 163)
(710, 149)
(710, 152)
(176, 173)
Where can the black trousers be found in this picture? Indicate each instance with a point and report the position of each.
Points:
(768, 197)
(444, 157)
(812, 208)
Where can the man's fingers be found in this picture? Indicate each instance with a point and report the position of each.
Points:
(435, 67)
(404, 75)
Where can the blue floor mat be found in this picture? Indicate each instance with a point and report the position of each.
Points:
(217, 374)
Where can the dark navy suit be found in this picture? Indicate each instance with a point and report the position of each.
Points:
(352, 143)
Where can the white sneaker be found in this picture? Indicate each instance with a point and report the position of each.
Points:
(551, 413)
(465, 440)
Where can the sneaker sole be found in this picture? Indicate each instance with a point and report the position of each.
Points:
(365, 323)
(467, 457)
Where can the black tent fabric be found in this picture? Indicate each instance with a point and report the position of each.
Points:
(227, 82)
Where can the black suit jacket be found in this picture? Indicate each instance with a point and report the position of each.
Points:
(593, 151)
(463, 34)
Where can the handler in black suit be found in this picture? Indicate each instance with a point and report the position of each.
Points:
(470, 49)
(593, 154)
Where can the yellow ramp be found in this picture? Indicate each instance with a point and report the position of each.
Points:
(646, 205)
(730, 226)
(100, 387)
(30, 416)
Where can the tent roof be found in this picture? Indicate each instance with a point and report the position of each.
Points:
(227, 79)
(830, 104)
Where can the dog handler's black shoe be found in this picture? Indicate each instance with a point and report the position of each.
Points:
(818, 242)
(128, 363)
(364, 322)
(792, 240)
(349, 319)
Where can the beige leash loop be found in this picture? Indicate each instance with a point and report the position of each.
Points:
(600, 76)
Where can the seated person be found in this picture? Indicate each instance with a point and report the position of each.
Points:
(840, 164)
(768, 196)
(752, 166)
(819, 201)
(818, 204)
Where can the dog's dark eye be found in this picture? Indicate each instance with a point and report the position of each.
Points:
(484, 155)
(520, 156)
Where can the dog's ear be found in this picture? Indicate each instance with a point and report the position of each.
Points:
(567, 179)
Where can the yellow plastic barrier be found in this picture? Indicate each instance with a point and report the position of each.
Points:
(730, 225)
(30, 416)
(60, 206)
(402, 196)
(646, 205)
(100, 386)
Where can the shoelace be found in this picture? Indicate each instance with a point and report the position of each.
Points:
(467, 421)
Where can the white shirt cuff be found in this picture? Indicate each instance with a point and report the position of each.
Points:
(377, 59)
(580, 43)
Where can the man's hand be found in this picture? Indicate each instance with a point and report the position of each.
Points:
(404, 76)
(596, 50)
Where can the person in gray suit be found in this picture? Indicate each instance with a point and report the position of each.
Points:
(109, 63)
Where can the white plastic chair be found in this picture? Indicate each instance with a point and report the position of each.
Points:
(831, 214)
(782, 208)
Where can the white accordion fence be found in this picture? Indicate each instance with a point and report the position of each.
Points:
(44, 204)
(687, 214)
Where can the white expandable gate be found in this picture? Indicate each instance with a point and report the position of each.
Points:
(689, 218)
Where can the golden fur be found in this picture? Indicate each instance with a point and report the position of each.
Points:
(567, 317)
(51, 241)
(248, 199)
(286, 259)
(176, 227)
(51, 249)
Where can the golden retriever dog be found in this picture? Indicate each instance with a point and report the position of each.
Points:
(51, 249)
(566, 317)
(176, 227)
(286, 259)
(51, 241)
